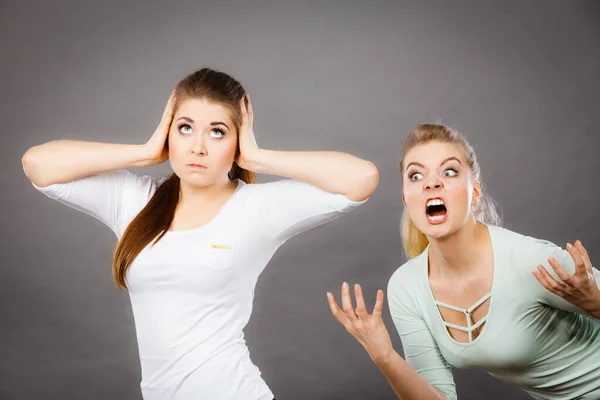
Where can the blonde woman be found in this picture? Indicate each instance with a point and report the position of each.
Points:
(475, 295)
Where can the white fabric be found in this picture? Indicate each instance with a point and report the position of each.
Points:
(192, 292)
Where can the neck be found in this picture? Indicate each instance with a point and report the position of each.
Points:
(191, 196)
(460, 253)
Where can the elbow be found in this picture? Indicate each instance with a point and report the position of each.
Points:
(371, 179)
(29, 163)
(365, 183)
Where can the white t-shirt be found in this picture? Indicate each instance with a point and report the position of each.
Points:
(192, 292)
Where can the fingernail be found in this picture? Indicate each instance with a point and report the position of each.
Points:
(345, 285)
(569, 246)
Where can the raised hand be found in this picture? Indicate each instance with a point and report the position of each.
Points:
(246, 138)
(156, 145)
(367, 328)
(580, 288)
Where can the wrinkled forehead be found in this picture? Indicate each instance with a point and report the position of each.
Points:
(434, 153)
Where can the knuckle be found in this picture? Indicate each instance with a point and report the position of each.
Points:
(558, 285)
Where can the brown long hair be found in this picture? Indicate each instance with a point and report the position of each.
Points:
(413, 240)
(151, 224)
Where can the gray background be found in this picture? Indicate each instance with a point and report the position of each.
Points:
(519, 78)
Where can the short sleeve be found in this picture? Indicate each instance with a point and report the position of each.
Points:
(533, 252)
(106, 196)
(289, 207)
(421, 351)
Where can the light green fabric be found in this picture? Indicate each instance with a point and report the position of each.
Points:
(532, 338)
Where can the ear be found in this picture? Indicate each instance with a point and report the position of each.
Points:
(403, 200)
(476, 193)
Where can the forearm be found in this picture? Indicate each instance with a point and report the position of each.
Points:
(407, 384)
(62, 161)
(334, 172)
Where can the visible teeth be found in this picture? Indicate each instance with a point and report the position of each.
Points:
(436, 218)
(435, 202)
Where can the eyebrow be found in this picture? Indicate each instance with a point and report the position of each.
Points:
(442, 163)
(191, 121)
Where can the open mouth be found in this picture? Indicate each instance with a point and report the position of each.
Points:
(436, 210)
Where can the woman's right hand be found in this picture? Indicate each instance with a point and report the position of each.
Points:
(367, 328)
(155, 147)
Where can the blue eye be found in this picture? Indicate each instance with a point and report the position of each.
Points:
(185, 129)
(219, 133)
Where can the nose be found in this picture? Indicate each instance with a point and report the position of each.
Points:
(198, 146)
(433, 182)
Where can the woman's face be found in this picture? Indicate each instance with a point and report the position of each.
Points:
(438, 191)
(202, 142)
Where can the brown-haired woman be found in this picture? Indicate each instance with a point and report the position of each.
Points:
(468, 297)
(191, 247)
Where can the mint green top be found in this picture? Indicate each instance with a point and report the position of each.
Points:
(532, 338)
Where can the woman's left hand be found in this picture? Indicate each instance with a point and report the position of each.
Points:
(580, 288)
(248, 148)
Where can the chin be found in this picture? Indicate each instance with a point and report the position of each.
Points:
(194, 179)
(437, 231)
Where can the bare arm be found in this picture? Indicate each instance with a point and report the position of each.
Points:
(333, 172)
(407, 384)
(372, 334)
(63, 161)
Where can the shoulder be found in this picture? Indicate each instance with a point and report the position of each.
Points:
(407, 284)
(294, 192)
(139, 180)
(136, 186)
(527, 252)
(116, 183)
(525, 245)
(266, 187)
(135, 191)
(252, 193)
(276, 187)
(408, 272)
